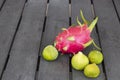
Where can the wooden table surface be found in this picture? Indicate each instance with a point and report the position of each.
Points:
(27, 26)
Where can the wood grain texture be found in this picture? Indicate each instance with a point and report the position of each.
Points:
(9, 18)
(86, 7)
(24, 54)
(57, 18)
(108, 27)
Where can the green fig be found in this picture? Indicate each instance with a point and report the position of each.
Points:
(79, 61)
(95, 56)
(92, 71)
(50, 53)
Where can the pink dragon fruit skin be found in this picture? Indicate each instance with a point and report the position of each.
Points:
(75, 38)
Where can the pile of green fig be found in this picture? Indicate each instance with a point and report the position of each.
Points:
(88, 64)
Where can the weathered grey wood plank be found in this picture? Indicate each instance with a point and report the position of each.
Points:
(9, 18)
(24, 53)
(109, 31)
(86, 7)
(57, 17)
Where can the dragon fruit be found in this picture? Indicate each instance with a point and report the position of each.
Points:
(75, 38)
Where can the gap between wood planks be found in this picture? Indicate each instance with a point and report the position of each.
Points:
(2, 5)
(70, 56)
(116, 10)
(103, 64)
(39, 56)
(7, 59)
